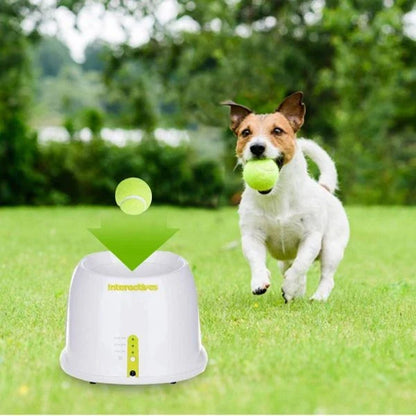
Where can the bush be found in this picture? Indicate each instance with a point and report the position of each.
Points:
(88, 173)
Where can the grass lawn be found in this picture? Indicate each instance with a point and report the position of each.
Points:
(354, 354)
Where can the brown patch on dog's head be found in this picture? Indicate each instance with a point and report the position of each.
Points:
(279, 128)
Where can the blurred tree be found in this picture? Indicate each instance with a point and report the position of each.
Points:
(69, 126)
(18, 180)
(134, 94)
(50, 56)
(96, 54)
(372, 77)
(93, 119)
(66, 95)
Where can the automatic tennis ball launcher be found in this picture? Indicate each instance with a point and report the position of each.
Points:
(133, 325)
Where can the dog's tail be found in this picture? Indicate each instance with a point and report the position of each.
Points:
(328, 177)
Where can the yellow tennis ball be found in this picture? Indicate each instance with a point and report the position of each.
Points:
(133, 196)
(261, 174)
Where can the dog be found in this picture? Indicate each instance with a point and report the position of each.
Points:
(299, 220)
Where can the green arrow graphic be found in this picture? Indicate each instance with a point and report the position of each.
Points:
(132, 239)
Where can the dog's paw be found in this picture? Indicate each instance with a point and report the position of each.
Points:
(260, 286)
(323, 292)
(319, 297)
(293, 287)
(260, 290)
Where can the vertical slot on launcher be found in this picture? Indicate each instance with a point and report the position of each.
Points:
(133, 356)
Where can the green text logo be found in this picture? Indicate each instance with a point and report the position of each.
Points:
(139, 286)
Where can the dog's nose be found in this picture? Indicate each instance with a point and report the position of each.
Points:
(257, 149)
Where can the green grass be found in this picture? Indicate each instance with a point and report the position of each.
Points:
(354, 354)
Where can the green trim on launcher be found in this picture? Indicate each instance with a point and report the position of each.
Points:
(133, 356)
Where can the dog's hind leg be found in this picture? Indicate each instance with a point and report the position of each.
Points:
(294, 282)
(331, 256)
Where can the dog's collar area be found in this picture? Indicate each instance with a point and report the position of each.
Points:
(265, 192)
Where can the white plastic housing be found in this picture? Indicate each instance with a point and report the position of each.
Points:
(109, 306)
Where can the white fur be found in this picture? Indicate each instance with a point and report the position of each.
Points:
(297, 221)
(326, 165)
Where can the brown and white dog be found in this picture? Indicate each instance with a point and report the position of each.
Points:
(299, 219)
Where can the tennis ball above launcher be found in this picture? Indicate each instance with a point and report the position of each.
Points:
(261, 174)
(133, 196)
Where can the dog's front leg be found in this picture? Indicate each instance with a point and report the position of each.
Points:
(294, 284)
(254, 249)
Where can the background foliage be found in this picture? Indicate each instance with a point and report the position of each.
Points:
(89, 173)
(352, 59)
(17, 143)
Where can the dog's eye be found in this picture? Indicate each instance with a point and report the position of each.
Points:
(245, 132)
(277, 130)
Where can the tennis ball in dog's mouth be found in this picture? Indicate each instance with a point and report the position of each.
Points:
(133, 196)
(261, 175)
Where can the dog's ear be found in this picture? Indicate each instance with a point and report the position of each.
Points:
(238, 113)
(293, 109)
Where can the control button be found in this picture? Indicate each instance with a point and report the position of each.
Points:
(132, 373)
(132, 358)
